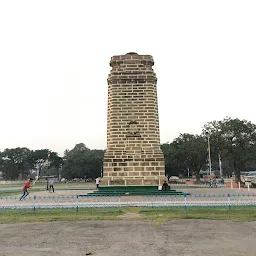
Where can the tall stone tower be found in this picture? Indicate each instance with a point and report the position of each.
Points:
(133, 155)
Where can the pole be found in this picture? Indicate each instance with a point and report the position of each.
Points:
(60, 170)
(209, 155)
(220, 165)
(35, 181)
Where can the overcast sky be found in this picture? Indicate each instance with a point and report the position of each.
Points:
(54, 63)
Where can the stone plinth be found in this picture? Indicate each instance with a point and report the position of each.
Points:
(133, 155)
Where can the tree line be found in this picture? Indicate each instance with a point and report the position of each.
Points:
(18, 163)
(80, 162)
(232, 143)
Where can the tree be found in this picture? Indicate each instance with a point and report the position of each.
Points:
(186, 151)
(82, 162)
(172, 165)
(39, 158)
(15, 162)
(45, 159)
(235, 141)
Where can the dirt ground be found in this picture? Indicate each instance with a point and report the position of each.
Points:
(115, 238)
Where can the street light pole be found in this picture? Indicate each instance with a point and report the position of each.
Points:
(60, 171)
(209, 154)
(220, 165)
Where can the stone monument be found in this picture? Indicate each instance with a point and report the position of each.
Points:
(133, 155)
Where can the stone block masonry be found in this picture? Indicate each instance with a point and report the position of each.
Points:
(133, 155)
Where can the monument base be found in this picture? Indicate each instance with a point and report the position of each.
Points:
(135, 181)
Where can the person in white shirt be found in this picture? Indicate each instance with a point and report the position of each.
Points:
(51, 182)
(97, 182)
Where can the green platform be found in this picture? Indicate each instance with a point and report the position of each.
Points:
(134, 191)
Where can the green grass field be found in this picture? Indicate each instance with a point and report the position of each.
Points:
(42, 184)
(15, 189)
(155, 215)
(15, 193)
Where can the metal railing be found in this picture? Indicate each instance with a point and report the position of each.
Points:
(89, 201)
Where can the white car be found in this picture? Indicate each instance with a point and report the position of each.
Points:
(174, 178)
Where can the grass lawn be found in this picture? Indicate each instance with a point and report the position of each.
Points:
(162, 215)
(15, 193)
(11, 190)
(42, 184)
(155, 215)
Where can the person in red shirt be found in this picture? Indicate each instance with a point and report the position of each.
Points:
(25, 189)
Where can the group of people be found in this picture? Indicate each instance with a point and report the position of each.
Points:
(27, 185)
(49, 186)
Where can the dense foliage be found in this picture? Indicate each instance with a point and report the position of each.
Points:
(233, 140)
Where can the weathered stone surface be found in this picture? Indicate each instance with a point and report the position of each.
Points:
(149, 182)
(116, 182)
(133, 139)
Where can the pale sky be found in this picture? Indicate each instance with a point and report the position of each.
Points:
(54, 63)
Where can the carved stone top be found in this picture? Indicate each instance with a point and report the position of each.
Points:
(131, 58)
(131, 53)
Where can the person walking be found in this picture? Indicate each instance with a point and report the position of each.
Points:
(51, 182)
(47, 184)
(25, 188)
(97, 181)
